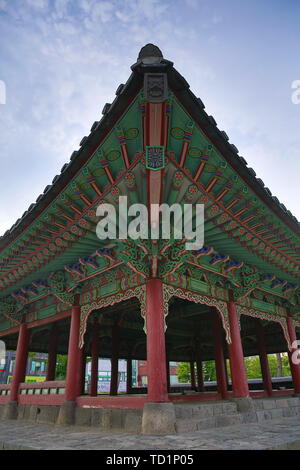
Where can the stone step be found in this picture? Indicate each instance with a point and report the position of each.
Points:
(276, 403)
(192, 417)
(191, 425)
(272, 408)
(204, 410)
(277, 413)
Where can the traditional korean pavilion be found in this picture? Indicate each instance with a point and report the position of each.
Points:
(65, 291)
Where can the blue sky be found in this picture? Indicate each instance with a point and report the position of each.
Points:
(62, 60)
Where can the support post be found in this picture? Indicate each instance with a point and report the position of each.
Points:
(114, 361)
(129, 375)
(236, 356)
(74, 355)
(192, 372)
(139, 380)
(226, 355)
(200, 380)
(226, 372)
(263, 357)
(81, 372)
(221, 371)
(95, 359)
(156, 350)
(52, 353)
(295, 368)
(168, 373)
(74, 369)
(19, 371)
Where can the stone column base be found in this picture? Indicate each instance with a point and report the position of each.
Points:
(244, 404)
(10, 410)
(66, 415)
(158, 418)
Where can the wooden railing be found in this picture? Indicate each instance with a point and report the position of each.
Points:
(42, 393)
(4, 393)
(4, 389)
(42, 388)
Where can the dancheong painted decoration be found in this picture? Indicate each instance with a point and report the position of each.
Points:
(65, 291)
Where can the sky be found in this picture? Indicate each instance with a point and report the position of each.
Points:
(62, 60)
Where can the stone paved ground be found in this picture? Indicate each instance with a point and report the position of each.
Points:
(283, 434)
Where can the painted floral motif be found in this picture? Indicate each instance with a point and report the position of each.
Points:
(177, 133)
(131, 133)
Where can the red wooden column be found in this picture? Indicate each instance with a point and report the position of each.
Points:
(52, 354)
(20, 362)
(200, 381)
(263, 357)
(74, 366)
(139, 380)
(236, 356)
(221, 371)
(129, 375)
(226, 355)
(114, 361)
(95, 359)
(81, 372)
(193, 379)
(295, 368)
(226, 371)
(156, 349)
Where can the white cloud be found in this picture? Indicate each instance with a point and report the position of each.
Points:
(102, 11)
(65, 28)
(86, 5)
(192, 4)
(217, 19)
(3, 5)
(61, 7)
(40, 4)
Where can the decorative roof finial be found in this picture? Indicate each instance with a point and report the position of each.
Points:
(150, 54)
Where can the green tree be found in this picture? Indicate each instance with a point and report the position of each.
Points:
(61, 367)
(279, 366)
(253, 367)
(184, 373)
(209, 371)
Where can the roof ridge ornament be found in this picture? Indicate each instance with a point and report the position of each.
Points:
(150, 54)
(150, 57)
